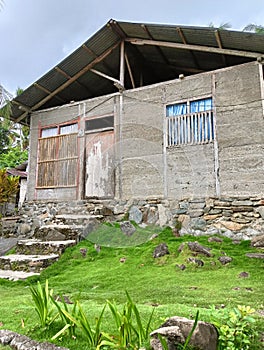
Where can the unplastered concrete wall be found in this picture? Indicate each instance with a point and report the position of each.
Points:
(240, 129)
(141, 145)
(190, 168)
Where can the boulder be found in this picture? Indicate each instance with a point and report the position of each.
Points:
(195, 261)
(225, 260)
(176, 329)
(215, 239)
(127, 228)
(258, 241)
(161, 250)
(198, 248)
(135, 214)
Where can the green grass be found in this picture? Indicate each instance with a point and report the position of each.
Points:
(150, 282)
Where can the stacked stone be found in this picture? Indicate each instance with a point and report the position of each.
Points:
(242, 218)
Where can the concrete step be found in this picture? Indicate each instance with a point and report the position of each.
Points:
(16, 275)
(27, 263)
(56, 232)
(78, 219)
(36, 246)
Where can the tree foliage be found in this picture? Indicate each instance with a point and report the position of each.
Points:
(14, 138)
(15, 156)
(259, 29)
(4, 139)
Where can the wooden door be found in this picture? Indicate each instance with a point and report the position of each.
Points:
(99, 177)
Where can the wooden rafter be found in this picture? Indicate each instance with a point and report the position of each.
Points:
(61, 71)
(40, 87)
(219, 43)
(70, 81)
(165, 59)
(182, 36)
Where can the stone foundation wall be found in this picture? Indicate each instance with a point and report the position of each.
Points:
(238, 218)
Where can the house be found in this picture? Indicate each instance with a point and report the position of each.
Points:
(149, 111)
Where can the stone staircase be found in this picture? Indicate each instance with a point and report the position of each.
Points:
(45, 246)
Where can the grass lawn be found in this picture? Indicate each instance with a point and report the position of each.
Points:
(157, 283)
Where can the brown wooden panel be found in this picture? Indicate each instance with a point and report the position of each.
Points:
(57, 161)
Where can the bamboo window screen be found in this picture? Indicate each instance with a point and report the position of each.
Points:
(57, 161)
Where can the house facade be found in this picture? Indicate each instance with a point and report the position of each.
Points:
(198, 136)
(142, 112)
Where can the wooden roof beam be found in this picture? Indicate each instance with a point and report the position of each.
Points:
(209, 49)
(69, 81)
(40, 87)
(61, 71)
(91, 52)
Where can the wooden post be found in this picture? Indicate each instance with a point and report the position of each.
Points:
(122, 63)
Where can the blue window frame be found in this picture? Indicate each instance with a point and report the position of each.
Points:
(190, 122)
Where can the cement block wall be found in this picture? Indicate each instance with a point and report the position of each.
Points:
(240, 132)
(144, 166)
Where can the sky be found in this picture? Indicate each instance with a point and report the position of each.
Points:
(37, 34)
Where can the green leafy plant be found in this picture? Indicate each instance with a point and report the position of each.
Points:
(43, 302)
(77, 318)
(63, 310)
(8, 186)
(132, 333)
(235, 328)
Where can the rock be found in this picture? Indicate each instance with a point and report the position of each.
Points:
(173, 335)
(151, 216)
(198, 248)
(21, 342)
(258, 241)
(176, 330)
(198, 224)
(211, 217)
(198, 262)
(225, 260)
(215, 239)
(135, 214)
(23, 229)
(119, 209)
(54, 235)
(184, 220)
(83, 251)
(160, 250)
(181, 247)
(163, 219)
(260, 210)
(196, 213)
(255, 255)
(242, 203)
(127, 228)
(243, 274)
(233, 226)
(181, 267)
(90, 227)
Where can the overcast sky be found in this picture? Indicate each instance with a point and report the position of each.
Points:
(38, 34)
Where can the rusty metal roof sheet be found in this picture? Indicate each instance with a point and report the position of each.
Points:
(72, 79)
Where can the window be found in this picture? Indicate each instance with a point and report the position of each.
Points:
(59, 130)
(58, 156)
(102, 123)
(190, 122)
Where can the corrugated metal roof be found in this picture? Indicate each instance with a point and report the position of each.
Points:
(72, 79)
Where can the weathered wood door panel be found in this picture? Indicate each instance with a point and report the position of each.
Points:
(100, 178)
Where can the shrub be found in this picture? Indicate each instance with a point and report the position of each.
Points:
(235, 328)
